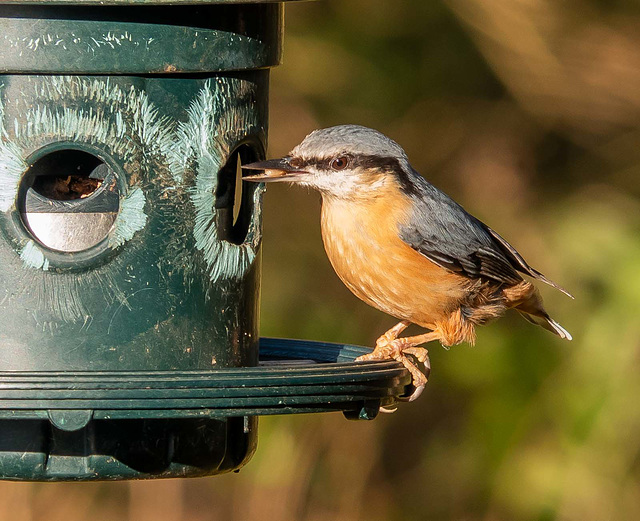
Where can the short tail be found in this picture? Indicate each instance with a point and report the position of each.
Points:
(525, 298)
(548, 323)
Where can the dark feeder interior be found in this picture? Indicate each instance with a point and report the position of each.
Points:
(130, 247)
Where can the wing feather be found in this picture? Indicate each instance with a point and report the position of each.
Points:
(443, 231)
(521, 264)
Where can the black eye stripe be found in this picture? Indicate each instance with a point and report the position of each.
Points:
(382, 164)
(355, 161)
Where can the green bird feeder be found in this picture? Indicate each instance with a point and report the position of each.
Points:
(130, 252)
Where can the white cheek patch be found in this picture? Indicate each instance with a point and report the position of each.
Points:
(338, 186)
(347, 184)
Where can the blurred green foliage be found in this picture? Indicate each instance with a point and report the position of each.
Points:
(528, 113)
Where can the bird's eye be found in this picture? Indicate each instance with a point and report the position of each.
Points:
(295, 162)
(339, 163)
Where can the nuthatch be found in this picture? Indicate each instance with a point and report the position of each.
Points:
(406, 248)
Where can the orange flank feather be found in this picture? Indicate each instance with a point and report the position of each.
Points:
(362, 243)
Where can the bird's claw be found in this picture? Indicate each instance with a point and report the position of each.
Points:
(417, 391)
(395, 349)
(421, 354)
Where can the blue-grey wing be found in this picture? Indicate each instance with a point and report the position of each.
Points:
(445, 233)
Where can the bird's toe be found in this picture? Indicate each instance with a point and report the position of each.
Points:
(417, 391)
(420, 353)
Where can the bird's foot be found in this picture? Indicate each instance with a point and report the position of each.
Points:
(392, 334)
(390, 347)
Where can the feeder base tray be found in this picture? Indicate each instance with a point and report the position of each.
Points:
(293, 377)
(122, 425)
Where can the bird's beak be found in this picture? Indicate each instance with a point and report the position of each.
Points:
(273, 170)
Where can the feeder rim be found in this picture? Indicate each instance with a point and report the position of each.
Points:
(296, 376)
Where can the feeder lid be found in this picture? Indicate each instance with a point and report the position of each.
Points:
(293, 377)
(142, 2)
(138, 36)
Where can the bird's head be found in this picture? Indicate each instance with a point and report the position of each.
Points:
(347, 161)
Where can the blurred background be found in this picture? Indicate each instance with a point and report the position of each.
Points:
(528, 113)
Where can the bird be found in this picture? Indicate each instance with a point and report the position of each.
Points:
(405, 247)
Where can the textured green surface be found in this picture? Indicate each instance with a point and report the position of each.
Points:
(165, 291)
(174, 284)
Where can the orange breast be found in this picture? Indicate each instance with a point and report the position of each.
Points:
(362, 243)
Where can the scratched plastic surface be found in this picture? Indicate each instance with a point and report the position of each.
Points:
(152, 106)
(173, 285)
(139, 39)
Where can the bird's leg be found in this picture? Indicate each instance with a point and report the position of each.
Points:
(389, 346)
(383, 351)
(392, 334)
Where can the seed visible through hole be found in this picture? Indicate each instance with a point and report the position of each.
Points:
(233, 201)
(56, 202)
(66, 188)
(237, 200)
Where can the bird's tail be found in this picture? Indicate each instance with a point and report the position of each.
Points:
(548, 323)
(525, 299)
